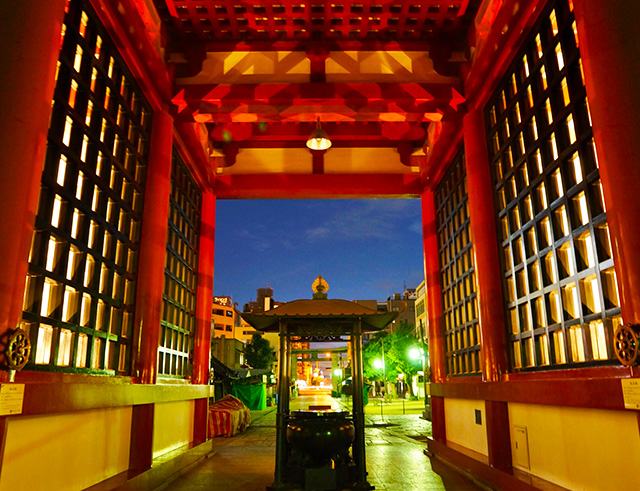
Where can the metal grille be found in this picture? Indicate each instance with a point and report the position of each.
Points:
(560, 286)
(180, 274)
(457, 269)
(80, 289)
(286, 20)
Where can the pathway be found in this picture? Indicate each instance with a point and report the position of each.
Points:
(395, 459)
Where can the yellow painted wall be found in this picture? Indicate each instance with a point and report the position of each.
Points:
(294, 67)
(461, 425)
(581, 449)
(172, 426)
(364, 160)
(65, 451)
(382, 66)
(265, 160)
(226, 67)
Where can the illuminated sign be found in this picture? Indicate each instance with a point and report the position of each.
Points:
(224, 301)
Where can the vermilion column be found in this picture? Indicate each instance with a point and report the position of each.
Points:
(202, 340)
(607, 33)
(482, 218)
(433, 287)
(28, 54)
(151, 263)
(153, 244)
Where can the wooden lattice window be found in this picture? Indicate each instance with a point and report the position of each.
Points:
(80, 289)
(457, 269)
(180, 274)
(560, 286)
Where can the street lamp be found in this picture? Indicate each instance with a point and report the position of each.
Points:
(416, 353)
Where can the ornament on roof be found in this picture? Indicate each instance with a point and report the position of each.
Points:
(320, 287)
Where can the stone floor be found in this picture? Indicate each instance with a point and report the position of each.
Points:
(395, 459)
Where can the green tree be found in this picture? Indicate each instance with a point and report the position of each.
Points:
(259, 353)
(397, 345)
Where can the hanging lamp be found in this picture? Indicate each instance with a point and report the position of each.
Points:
(318, 140)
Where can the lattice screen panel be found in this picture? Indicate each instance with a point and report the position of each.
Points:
(457, 269)
(230, 20)
(80, 290)
(180, 278)
(561, 291)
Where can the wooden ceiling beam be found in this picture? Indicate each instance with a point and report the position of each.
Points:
(345, 134)
(306, 186)
(338, 102)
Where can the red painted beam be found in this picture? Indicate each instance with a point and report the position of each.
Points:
(603, 392)
(125, 24)
(501, 36)
(444, 149)
(191, 146)
(385, 102)
(268, 186)
(330, 45)
(389, 133)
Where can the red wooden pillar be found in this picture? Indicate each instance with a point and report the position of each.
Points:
(29, 50)
(488, 276)
(434, 308)
(485, 245)
(433, 287)
(484, 232)
(607, 33)
(202, 340)
(153, 244)
(151, 264)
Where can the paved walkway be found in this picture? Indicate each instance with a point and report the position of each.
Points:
(394, 446)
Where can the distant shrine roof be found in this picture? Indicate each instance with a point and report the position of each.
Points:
(320, 317)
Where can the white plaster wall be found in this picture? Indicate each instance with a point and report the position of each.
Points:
(65, 451)
(172, 426)
(581, 449)
(461, 424)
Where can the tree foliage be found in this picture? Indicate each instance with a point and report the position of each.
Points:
(397, 345)
(258, 353)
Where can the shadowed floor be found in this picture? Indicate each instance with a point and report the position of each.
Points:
(395, 459)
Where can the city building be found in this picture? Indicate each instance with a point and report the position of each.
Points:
(421, 312)
(223, 318)
(264, 301)
(404, 304)
(244, 331)
(515, 123)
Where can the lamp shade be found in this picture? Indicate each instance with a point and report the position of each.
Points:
(318, 140)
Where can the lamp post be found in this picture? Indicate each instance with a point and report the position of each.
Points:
(378, 364)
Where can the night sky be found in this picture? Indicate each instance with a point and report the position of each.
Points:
(365, 249)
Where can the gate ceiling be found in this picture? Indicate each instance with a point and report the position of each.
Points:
(258, 75)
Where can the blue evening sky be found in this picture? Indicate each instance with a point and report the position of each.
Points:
(366, 249)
